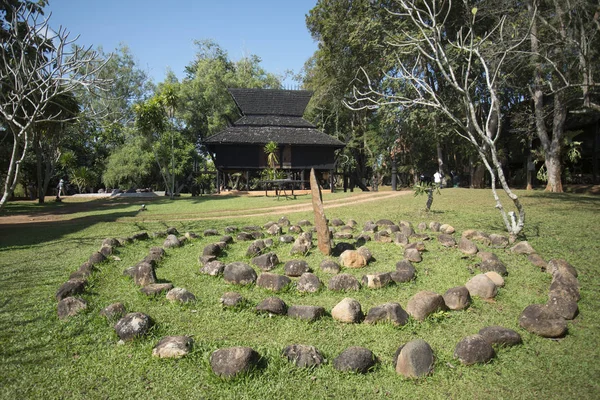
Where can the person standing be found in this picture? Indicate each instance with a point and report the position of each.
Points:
(61, 188)
(437, 178)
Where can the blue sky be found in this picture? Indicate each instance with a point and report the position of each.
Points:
(160, 34)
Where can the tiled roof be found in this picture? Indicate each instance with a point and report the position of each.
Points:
(273, 120)
(271, 101)
(280, 135)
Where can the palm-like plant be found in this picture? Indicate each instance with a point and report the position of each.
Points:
(272, 160)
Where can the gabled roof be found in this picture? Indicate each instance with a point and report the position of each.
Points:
(273, 120)
(271, 101)
(254, 135)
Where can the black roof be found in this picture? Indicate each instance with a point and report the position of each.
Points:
(271, 101)
(262, 135)
(273, 120)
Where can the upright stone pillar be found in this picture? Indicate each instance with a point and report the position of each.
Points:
(324, 242)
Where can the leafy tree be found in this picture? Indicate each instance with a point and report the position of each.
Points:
(129, 165)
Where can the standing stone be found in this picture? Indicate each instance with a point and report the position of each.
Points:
(308, 283)
(272, 282)
(324, 242)
(239, 273)
(231, 361)
(414, 359)
(457, 298)
(482, 286)
(70, 306)
(348, 310)
(133, 325)
(303, 356)
(425, 303)
(388, 312)
(173, 347)
(474, 349)
(355, 359)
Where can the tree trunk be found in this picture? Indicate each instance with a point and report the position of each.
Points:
(478, 177)
(39, 173)
(553, 168)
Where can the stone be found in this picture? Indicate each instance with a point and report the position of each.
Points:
(274, 230)
(303, 356)
(424, 303)
(414, 359)
(226, 239)
(447, 229)
(400, 239)
(348, 310)
(493, 265)
(388, 312)
(254, 250)
(498, 335)
(343, 282)
(342, 247)
(133, 325)
(239, 273)
(323, 240)
(173, 347)
(171, 241)
(274, 282)
(70, 306)
(295, 229)
(304, 222)
(70, 288)
(211, 232)
(362, 239)
(180, 295)
(478, 236)
(302, 244)
(486, 255)
(308, 283)
(266, 262)
(154, 289)
(567, 285)
(355, 359)
(384, 222)
(474, 349)
(560, 266)
(96, 258)
(284, 221)
(522, 248)
(112, 242)
(140, 236)
(172, 231)
(272, 306)
(212, 249)
(213, 268)
(419, 246)
(244, 237)
(538, 261)
(405, 272)
(446, 240)
(125, 241)
(231, 299)
(286, 239)
(296, 267)
(307, 313)
(107, 250)
(539, 319)
(352, 259)
(113, 311)
(269, 224)
(482, 286)
(500, 241)
(422, 226)
(352, 223)
(376, 281)
(564, 306)
(382, 237)
(457, 298)
(159, 234)
(370, 227)
(232, 361)
(143, 274)
(467, 247)
(191, 235)
(496, 278)
(342, 235)
(413, 255)
(434, 226)
(330, 266)
(231, 229)
(203, 260)
(337, 222)
(407, 230)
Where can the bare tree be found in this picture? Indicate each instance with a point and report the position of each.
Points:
(37, 65)
(469, 64)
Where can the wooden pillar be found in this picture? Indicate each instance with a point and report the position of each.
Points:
(394, 175)
(218, 182)
(331, 180)
(302, 178)
(247, 180)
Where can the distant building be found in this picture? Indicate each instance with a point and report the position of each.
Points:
(272, 115)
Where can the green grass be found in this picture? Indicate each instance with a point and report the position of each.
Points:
(42, 357)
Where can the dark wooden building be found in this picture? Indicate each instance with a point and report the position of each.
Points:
(272, 115)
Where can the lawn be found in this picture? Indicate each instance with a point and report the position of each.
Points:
(42, 357)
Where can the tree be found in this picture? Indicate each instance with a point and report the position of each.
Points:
(469, 60)
(37, 65)
(129, 164)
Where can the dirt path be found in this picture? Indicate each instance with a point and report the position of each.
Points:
(64, 214)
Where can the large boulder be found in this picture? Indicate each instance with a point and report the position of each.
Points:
(133, 325)
(239, 273)
(303, 356)
(414, 359)
(70, 306)
(231, 361)
(543, 321)
(474, 349)
(343, 282)
(457, 298)
(173, 347)
(307, 313)
(348, 310)
(355, 359)
(388, 312)
(482, 286)
(498, 335)
(143, 274)
(425, 303)
(274, 282)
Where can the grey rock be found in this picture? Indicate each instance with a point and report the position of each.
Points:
(284, 221)
(203, 260)
(498, 335)
(424, 303)
(295, 229)
(388, 312)
(384, 222)
(414, 359)
(133, 325)
(239, 273)
(435, 226)
(232, 361)
(382, 237)
(467, 247)
(308, 283)
(107, 250)
(457, 298)
(296, 267)
(366, 253)
(343, 235)
(343, 282)
(493, 265)
(330, 266)
(172, 231)
(113, 311)
(400, 239)
(231, 299)
(213, 268)
(482, 286)
(272, 305)
(244, 236)
(171, 241)
(407, 230)
(304, 222)
(522, 248)
(355, 359)
(560, 266)
(486, 255)
(274, 230)
(70, 306)
(422, 227)
(413, 255)
(173, 347)
(566, 307)
(447, 229)
(112, 242)
(496, 278)
(498, 240)
(286, 239)
(474, 349)
(143, 274)
(376, 281)
(140, 236)
(539, 319)
(96, 258)
(307, 313)
(567, 285)
(154, 289)
(191, 235)
(70, 288)
(370, 227)
(266, 262)
(405, 272)
(212, 249)
(231, 229)
(226, 239)
(538, 261)
(303, 356)
(180, 295)
(348, 310)
(274, 282)
(446, 240)
(337, 222)
(211, 232)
